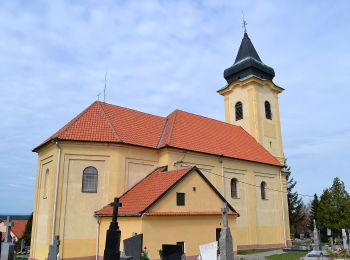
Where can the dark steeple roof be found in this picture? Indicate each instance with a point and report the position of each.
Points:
(248, 63)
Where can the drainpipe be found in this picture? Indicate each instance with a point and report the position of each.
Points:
(56, 191)
(98, 236)
(283, 213)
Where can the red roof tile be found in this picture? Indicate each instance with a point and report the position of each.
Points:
(147, 191)
(193, 213)
(102, 122)
(141, 197)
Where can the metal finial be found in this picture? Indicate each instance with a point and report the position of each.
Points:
(104, 89)
(244, 23)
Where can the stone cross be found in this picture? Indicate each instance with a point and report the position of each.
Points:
(8, 248)
(225, 241)
(9, 225)
(224, 211)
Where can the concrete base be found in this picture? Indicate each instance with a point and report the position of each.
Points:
(7, 251)
(317, 253)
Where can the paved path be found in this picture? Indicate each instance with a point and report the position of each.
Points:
(259, 256)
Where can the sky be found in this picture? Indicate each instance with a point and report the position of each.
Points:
(166, 55)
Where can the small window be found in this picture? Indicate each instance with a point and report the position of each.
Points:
(90, 178)
(180, 199)
(268, 113)
(263, 190)
(239, 110)
(234, 188)
(46, 180)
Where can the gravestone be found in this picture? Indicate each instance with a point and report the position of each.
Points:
(112, 246)
(172, 252)
(209, 251)
(23, 244)
(345, 239)
(54, 249)
(7, 247)
(133, 246)
(225, 242)
(329, 235)
(0, 242)
(317, 240)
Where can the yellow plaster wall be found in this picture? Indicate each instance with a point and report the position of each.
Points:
(128, 226)
(252, 225)
(42, 210)
(193, 230)
(121, 166)
(202, 199)
(253, 93)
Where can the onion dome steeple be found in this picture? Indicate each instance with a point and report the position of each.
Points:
(247, 64)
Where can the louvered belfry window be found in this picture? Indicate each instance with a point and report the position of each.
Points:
(239, 110)
(90, 180)
(268, 113)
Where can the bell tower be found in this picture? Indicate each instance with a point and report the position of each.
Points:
(251, 98)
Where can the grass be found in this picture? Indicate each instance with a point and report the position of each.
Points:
(287, 256)
(254, 251)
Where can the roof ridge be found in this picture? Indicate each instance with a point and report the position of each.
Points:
(163, 133)
(109, 123)
(172, 127)
(113, 105)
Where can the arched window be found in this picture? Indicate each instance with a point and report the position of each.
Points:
(234, 193)
(263, 190)
(90, 177)
(239, 110)
(268, 113)
(46, 179)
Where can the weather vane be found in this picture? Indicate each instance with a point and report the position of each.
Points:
(244, 23)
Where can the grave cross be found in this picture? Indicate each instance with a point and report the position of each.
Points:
(116, 205)
(224, 211)
(112, 246)
(9, 225)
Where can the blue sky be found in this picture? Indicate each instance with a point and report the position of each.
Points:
(163, 55)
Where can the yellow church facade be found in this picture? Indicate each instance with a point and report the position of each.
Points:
(124, 146)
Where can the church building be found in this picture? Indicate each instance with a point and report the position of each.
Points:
(168, 172)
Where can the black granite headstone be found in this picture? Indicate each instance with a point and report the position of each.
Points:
(172, 252)
(133, 246)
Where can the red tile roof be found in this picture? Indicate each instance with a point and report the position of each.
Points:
(102, 122)
(144, 194)
(18, 228)
(147, 191)
(193, 213)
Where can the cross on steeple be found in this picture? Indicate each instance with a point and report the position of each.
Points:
(9, 225)
(244, 24)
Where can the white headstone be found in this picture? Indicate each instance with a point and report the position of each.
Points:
(209, 251)
(345, 239)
